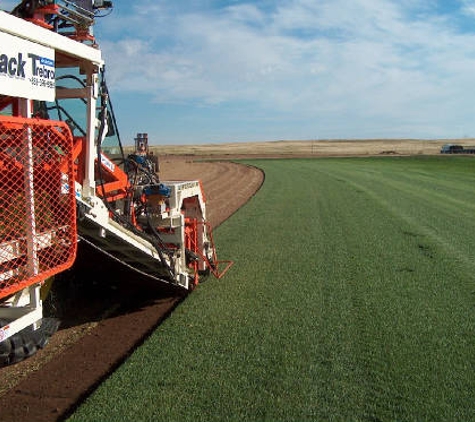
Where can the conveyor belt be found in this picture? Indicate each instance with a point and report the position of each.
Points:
(145, 260)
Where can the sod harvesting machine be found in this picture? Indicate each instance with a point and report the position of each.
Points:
(64, 176)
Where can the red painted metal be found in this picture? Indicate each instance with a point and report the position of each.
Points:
(37, 202)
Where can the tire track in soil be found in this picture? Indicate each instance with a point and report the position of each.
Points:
(109, 312)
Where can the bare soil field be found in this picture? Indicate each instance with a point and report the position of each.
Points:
(312, 148)
(112, 311)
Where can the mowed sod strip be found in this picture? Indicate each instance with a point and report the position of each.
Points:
(352, 298)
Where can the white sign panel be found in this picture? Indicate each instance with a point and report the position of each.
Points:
(27, 69)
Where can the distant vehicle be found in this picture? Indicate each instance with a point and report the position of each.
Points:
(451, 149)
(457, 149)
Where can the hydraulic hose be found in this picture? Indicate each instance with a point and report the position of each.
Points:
(156, 240)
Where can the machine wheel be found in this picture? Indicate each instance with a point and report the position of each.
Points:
(5, 349)
(27, 342)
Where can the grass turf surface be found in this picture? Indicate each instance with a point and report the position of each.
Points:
(352, 298)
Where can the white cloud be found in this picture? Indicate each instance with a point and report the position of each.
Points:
(360, 66)
(365, 59)
(468, 7)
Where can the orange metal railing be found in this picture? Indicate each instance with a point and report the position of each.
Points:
(216, 267)
(37, 202)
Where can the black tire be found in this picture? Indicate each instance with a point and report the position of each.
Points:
(26, 342)
(5, 348)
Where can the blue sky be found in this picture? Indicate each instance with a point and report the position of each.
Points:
(208, 71)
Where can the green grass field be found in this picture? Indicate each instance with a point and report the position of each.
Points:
(352, 299)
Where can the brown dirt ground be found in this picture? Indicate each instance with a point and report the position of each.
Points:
(109, 313)
(313, 148)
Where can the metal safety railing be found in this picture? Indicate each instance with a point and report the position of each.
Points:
(216, 267)
(37, 202)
